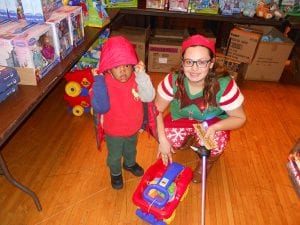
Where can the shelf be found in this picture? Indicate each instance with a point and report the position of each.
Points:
(234, 19)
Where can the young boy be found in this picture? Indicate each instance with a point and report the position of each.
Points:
(120, 88)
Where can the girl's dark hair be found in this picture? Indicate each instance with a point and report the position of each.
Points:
(211, 85)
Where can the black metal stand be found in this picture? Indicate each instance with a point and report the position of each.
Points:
(4, 171)
(203, 153)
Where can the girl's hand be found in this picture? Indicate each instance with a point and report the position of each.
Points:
(210, 132)
(165, 151)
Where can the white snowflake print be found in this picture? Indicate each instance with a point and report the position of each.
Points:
(177, 136)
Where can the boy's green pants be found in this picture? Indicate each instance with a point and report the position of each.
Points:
(119, 147)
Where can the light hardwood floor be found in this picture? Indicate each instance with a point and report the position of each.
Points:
(54, 153)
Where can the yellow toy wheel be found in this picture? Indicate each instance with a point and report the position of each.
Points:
(78, 110)
(185, 193)
(170, 219)
(73, 89)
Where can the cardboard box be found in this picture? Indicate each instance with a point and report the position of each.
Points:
(242, 44)
(170, 34)
(137, 36)
(270, 57)
(235, 69)
(164, 54)
(206, 32)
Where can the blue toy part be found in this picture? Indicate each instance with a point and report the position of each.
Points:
(149, 218)
(157, 194)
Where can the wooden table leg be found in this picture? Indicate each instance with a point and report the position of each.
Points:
(4, 171)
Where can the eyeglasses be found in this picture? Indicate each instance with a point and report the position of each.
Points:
(201, 63)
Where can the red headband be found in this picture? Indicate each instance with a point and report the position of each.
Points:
(198, 40)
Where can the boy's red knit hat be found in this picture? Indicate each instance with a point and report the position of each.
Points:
(116, 51)
(198, 40)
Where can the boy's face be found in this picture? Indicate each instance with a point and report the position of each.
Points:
(122, 73)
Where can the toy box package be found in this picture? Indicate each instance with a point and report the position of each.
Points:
(178, 5)
(96, 15)
(14, 9)
(35, 53)
(3, 10)
(8, 32)
(91, 57)
(291, 7)
(154, 4)
(39, 11)
(61, 34)
(203, 6)
(231, 7)
(3, 21)
(121, 3)
(9, 80)
(75, 22)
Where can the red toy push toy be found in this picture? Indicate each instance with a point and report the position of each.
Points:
(160, 190)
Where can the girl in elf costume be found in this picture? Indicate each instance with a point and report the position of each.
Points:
(120, 87)
(197, 94)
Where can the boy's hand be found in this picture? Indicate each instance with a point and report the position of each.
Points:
(94, 72)
(140, 67)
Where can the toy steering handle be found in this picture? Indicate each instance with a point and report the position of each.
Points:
(158, 203)
(162, 185)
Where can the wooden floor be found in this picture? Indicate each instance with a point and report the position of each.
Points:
(54, 153)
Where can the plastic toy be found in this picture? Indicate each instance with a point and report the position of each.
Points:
(293, 166)
(77, 90)
(263, 10)
(249, 8)
(160, 190)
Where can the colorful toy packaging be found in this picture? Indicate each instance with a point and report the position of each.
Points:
(91, 57)
(154, 4)
(178, 5)
(61, 34)
(291, 7)
(34, 49)
(9, 80)
(230, 7)
(38, 11)
(8, 32)
(293, 166)
(121, 3)
(3, 10)
(75, 22)
(96, 15)
(14, 9)
(204, 6)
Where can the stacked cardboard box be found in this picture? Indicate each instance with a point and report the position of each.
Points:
(138, 36)
(164, 51)
(264, 49)
(270, 57)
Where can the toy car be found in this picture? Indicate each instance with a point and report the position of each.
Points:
(77, 90)
(160, 190)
